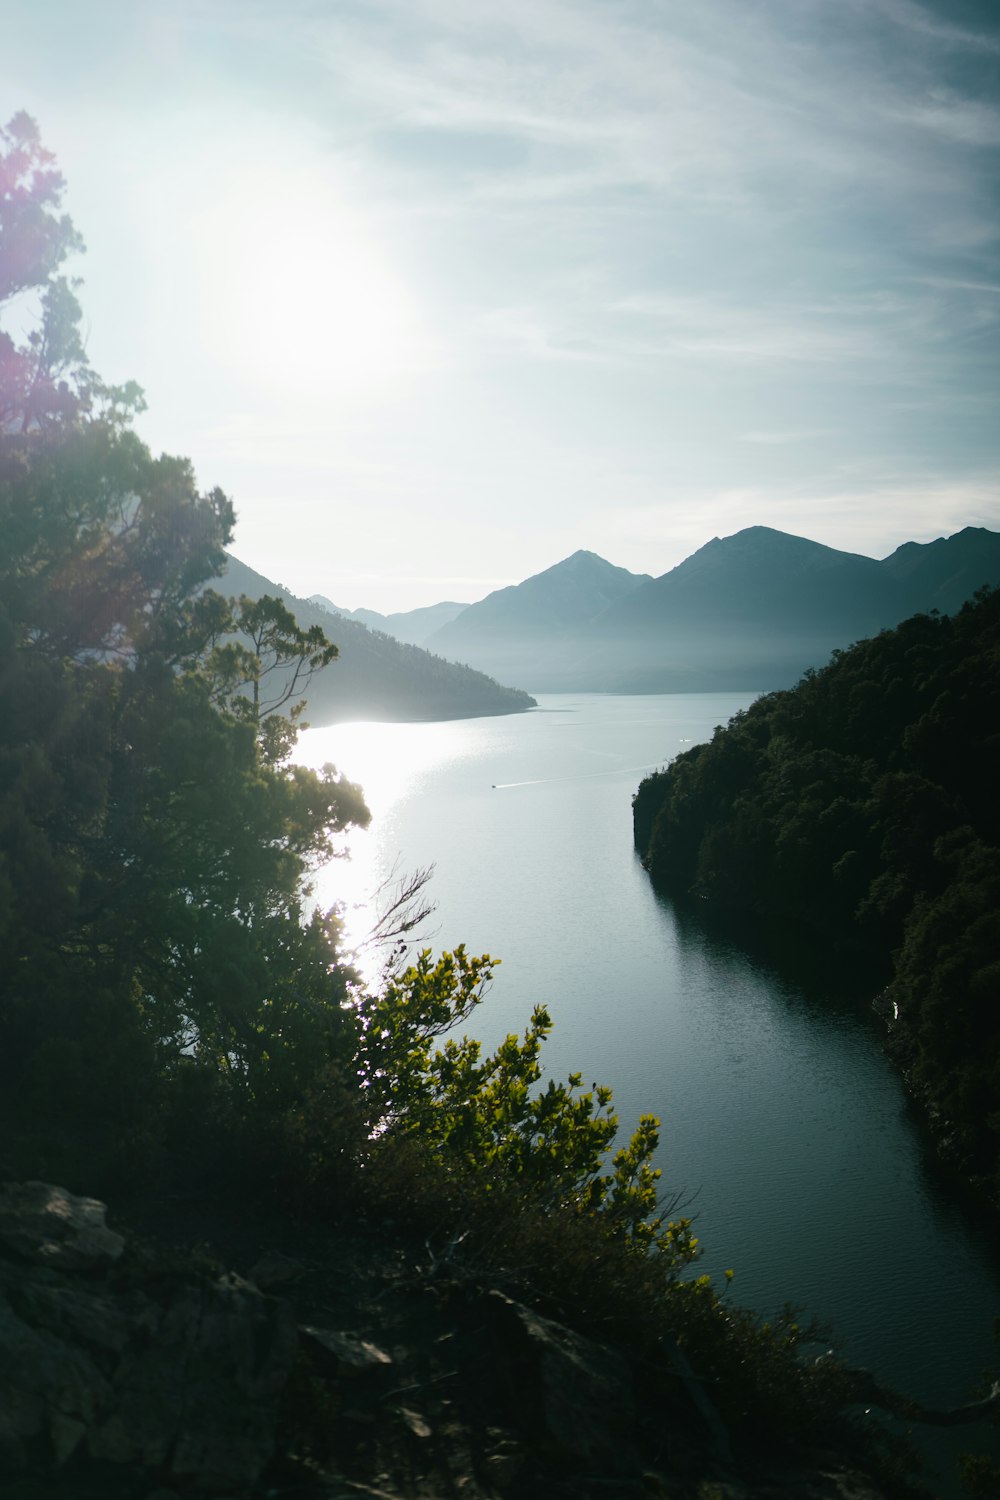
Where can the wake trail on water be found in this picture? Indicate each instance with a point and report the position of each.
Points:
(506, 786)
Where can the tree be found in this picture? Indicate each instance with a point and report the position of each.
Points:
(156, 840)
(47, 379)
(261, 662)
(487, 1116)
(155, 843)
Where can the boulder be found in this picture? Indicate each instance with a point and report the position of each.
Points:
(575, 1393)
(52, 1227)
(201, 1397)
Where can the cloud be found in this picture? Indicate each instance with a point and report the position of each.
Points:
(726, 331)
(743, 256)
(522, 333)
(781, 439)
(915, 18)
(872, 519)
(968, 122)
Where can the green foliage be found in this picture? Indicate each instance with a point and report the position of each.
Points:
(980, 1476)
(260, 662)
(488, 1115)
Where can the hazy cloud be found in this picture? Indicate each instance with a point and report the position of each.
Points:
(556, 274)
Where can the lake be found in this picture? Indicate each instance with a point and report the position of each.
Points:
(784, 1128)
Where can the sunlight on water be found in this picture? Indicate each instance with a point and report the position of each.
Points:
(388, 762)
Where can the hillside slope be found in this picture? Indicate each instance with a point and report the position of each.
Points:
(749, 611)
(377, 677)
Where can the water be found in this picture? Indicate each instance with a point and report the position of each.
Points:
(783, 1124)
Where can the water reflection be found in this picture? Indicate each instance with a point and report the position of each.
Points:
(802, 964)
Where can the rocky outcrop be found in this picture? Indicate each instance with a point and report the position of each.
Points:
(127, 1372)
(51, 1227)
(129, 1362)
(574, 1395)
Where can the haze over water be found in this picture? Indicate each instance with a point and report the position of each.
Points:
(784, 1127)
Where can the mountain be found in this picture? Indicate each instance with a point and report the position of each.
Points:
(418, 625)
(369, 617)
(943, 574)
(375, 676)
(748, 612)
(413, 625)
(752, 610)
(528, 627)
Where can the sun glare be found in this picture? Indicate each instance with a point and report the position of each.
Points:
(387, 765)
(297, 295)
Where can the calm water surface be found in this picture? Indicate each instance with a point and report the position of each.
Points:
(783, 1124)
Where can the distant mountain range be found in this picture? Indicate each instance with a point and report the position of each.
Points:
(414, 626)
(377, 676)
(745, 612)
(749, 612)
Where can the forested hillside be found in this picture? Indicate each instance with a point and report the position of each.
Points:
(863, 805)
(374, 675)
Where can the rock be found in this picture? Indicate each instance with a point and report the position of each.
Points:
(44, 1383)
(813, 1476)
(174, 1376)
(578, 1391)
(274, 1269)
(164, 1370)
(46, 1224)
(504, 1461)
(202, 1395)
(348, 1354)
(415, 1422)
(72, 1312)
(65, 1434)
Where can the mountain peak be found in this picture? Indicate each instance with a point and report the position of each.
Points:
(548, 605)
(582, 563)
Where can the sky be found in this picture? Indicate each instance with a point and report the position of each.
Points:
(441, 291)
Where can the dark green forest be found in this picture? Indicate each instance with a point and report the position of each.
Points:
(862, 805)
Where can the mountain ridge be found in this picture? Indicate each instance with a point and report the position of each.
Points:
(500, 632)
(751, 611)
(944, 573)
(413, 626)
